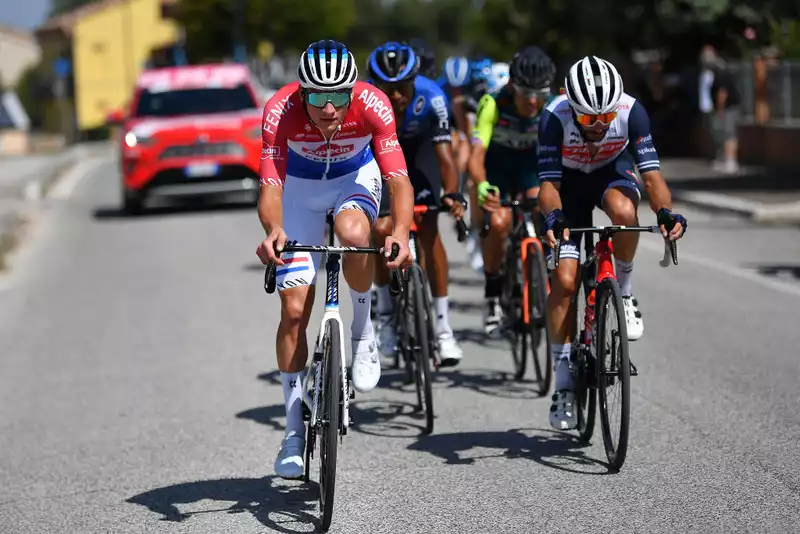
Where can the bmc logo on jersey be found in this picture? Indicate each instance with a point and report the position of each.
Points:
(323, 151)
(390, 145)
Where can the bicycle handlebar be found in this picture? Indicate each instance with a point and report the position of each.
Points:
(524, 204)
(269, 271)
(422, 209)
(670, 247)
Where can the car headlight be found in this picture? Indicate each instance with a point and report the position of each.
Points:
(132, 140)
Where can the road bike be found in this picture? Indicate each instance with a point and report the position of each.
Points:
(524, 295)
(414, 319)
(600, 358)
(328, 379)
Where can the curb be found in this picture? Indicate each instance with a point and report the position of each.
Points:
(787, 213)
(31, 194)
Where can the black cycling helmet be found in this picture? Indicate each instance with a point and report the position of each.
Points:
(532, 68)
(393, 62)
(427, 58)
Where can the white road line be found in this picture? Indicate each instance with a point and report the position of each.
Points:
(67, 183)
(737, 272)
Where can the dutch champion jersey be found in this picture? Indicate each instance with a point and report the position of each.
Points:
(293, 146)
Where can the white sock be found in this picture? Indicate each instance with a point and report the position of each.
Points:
(624, 271)
(441, 306)
(293, 401)
(561, 359)
(361, 329)
(385, 304)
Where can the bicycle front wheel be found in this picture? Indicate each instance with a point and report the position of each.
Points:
(330, 420)
(536, 328)
(419, 322)
(613, 372)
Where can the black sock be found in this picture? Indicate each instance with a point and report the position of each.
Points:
(494, 285)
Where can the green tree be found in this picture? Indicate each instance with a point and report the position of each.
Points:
(290, 25)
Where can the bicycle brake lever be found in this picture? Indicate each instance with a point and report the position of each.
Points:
(664, 262)
(269, 278)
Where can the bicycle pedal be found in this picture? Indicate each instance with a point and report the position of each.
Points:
(634, 370)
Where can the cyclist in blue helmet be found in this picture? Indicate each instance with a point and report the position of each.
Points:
(423, 131)
(427, 58)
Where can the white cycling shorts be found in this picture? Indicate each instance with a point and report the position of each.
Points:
(306, 204)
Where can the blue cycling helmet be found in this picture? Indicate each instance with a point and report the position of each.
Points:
(457, 71)
(393, 62)
(481, 69)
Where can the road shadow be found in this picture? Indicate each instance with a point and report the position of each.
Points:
(478, 337)
(273, 416)
(746, 181)
(778, 270)
(467, 306)
(176, 207)
(280, 505)
(557, 450)
(490, 382)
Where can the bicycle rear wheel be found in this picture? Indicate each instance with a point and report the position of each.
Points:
(582, 360)
(536, 329)
(330, 420)
(420, 321)
(613, 371)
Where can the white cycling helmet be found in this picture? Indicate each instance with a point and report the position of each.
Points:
(457, 71)
(593, 86)
(498, 77)
(327, 66)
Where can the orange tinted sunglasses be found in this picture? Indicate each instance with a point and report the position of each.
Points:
(590, 120)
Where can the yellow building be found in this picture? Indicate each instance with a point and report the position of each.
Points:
(110, 42)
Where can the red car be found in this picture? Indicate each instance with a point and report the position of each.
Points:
(192, 130)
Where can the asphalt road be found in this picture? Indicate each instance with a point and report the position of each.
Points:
(138, 393)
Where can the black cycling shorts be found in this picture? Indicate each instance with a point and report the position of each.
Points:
(581, 192)
(423, 171)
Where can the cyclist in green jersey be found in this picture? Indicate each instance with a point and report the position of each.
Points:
(503, 159)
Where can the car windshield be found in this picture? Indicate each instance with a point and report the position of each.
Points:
(194, 101)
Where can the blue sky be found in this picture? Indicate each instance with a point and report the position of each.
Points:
(25, 14)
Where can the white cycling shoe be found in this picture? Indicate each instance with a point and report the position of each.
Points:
(564, 410)
(449, 351)
(386, 336)
(289, 463)
(366, 368)
(633, 318)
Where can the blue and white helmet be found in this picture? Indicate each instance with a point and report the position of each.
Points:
(457, 71)
(498, 77)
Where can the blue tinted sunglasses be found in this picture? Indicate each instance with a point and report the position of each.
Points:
(319, 100)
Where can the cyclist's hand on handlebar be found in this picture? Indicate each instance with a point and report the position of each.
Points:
(672, 225)
(403, 255)
(266, 250)
(487, 193)
(456, 208)
(556, 228)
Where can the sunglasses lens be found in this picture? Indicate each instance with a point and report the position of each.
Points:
(319, 100)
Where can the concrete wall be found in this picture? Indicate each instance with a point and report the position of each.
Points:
(18, 51)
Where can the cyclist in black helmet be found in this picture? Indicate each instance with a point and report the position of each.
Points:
(503, 159)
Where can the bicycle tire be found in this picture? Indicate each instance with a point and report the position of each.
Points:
(510, 303)
(537, 316)
(332, 399)
(585, 392)
(609, 295)
(420, 314)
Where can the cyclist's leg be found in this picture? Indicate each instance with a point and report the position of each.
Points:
(304, 221)
(494, 244)
(425, 177)
(384, 328)
(578, 194)
(620, 202)
(355, 213)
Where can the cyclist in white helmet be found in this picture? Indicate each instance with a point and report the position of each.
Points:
(498, 77)
(589, 140)
(328, 142)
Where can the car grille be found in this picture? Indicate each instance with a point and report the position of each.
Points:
(202, 149)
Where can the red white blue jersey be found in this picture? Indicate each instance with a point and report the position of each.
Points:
(292, 145)
(562, 145)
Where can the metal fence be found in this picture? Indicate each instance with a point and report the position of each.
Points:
(777, 97)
